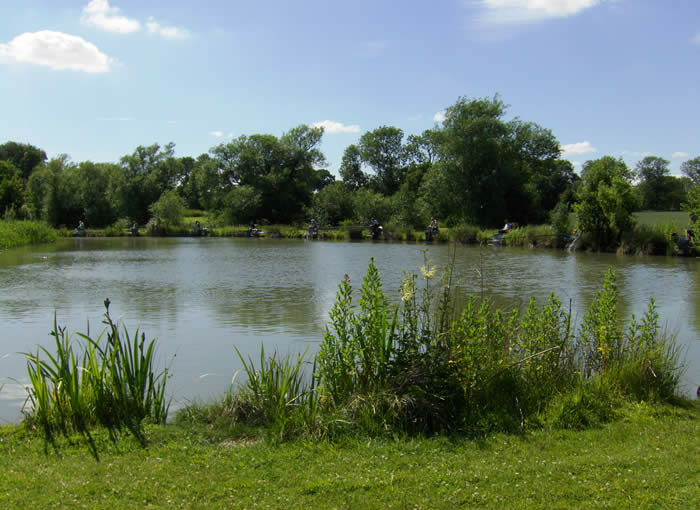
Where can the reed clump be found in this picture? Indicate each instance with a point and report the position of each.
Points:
(22, 232)
(109, 380)
(423, 365)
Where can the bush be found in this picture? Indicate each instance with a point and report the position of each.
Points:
(417, 366)
(465, 234)
(169, 210)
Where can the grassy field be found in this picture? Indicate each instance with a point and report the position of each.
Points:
(648, 459)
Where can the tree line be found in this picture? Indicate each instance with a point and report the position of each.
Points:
(474, 168)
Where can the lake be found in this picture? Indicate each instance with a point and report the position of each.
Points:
(200, 297)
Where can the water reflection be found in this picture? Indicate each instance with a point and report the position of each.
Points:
(200, 297)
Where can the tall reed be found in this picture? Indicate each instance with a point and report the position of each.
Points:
(112, 383)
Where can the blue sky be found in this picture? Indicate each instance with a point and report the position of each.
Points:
(94, 79)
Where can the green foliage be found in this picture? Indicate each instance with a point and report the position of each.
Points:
(112, 384)
(356, 349)
(242, 205)
(382, 149)
(23, 156)
(11, 188)
(369, 204)
(333, 204)
(691, 169)
(351, 168)
(604, 201)
(169, 209)
(18, 233)
(424, 366)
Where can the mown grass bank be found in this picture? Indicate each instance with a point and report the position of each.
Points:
(648, 459)
(18, 233)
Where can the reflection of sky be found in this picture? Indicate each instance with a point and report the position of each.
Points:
(200, 297)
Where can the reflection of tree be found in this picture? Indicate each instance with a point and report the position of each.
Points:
(266, 309)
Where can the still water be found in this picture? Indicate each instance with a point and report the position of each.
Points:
(201, 297)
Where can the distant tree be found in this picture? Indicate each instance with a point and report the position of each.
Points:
(169, 209)
(351, 168)
(691, 168)
(52, 193)
(423, 148)
(333, 204)
(321, 179)
(478, 161)
(605, 201)
(651, 173)
(146, 174)
(11, 188)
(242, 205)
(282, 171)
(25, 157)
(382, 149)
(92, 190)
(369, 204)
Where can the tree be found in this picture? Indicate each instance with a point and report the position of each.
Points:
(146, 174)
(479, 166)
(23, 156)
(11, 189)
(242, 205)
(93, 184)
(691, 168)
(281, 170)
(333, 204)
(169, 209)
(382, 149)
(605, 201)
(651, 172)
(423, 148)
(321, 179)
(351, 168)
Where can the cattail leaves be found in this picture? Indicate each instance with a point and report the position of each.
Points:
(112, 383)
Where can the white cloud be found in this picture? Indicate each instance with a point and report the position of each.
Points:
(332, 127)
(525, 11)
(636, 154)
(577, 148)
(100, 14)
(439, 117)
(166, 32)
(680, 155)
(57, 51)
(217, 134)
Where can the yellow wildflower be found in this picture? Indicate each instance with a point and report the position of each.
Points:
(428, 271)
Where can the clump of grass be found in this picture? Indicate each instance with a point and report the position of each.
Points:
(531, 236)
(20, 232)
(652, 239)
(465, 234)
(112, 383)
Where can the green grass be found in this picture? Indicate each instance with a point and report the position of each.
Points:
(18, 233)
(679, 218)
(648, 460)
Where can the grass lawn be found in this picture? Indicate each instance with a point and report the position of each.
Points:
(650, 458)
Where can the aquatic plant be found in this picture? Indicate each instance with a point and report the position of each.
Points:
(19, 232)
(111, 383)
